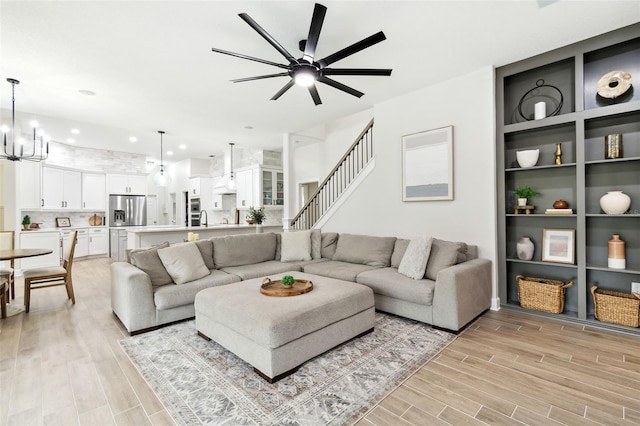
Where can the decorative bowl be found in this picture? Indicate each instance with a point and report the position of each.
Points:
(528, 157)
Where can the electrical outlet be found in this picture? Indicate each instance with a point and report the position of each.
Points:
(635, 287)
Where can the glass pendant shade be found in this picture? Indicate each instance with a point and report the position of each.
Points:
(161, 178)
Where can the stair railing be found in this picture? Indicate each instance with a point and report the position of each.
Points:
(337, 181)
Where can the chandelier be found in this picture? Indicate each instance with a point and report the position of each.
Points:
(17, 152)
(161, 178)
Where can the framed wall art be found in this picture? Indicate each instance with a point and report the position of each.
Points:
(427, 165)
(63, 222)
(558, 245)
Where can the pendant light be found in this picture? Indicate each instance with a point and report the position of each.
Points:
(161, 178)
(232, 182)
(10, 153)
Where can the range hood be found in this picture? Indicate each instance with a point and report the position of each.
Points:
(226, 184)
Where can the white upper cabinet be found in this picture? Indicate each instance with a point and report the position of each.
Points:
(128, 184)
(61, 189)
(30, 181)
(244, 189)
(94, 190)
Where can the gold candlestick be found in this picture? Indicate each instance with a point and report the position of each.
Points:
(558, 153)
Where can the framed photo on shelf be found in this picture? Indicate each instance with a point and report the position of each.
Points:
(427, 165)
(558, 245)
(63, 222)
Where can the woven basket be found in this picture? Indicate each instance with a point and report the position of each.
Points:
(616, 307)
(542, 294)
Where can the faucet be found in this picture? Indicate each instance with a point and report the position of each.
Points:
(206, 219)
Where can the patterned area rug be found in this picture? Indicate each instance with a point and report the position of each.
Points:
(200, 382)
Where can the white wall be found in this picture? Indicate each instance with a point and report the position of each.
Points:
(376, 207)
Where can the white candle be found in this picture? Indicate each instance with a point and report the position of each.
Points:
(540, 110)
(190, 236)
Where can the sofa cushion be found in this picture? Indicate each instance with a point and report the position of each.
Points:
(398, 251)
(171, 296)
(328, 242)
(263, 269)
(389, 282)
(414, 261)
(183, 262)
(245, 249)
(316, 244)
(443, 255)
(335, 269)
(148, 261)
(462, 253)
(365, 249)
(206, 250)
(278, 246)
(295, 246)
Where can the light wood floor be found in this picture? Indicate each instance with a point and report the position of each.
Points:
(62, 365)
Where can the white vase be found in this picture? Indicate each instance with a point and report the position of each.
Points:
(528, 157)
(525, 248)
(615, 202)
(259, 229)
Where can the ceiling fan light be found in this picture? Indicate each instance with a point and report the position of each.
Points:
(305, 78)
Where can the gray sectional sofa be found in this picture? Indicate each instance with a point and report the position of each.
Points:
(158, 285)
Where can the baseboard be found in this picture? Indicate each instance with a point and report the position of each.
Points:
(495, 304)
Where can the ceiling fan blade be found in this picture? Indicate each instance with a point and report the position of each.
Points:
(315, 95)
(340, 86)
(272, 41)
(286, 87)
(251, 58)
(260, 77)
(314, 32)
(354, 48)
(357, 71)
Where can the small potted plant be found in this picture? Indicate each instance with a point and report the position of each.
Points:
(26, 222)
(255, 216)
(287, 281)
(524, 192)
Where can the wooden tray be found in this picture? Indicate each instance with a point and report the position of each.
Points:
(276, 289)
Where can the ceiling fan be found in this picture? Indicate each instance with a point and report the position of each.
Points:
(306, 71)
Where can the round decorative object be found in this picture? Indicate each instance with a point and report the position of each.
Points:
(528, 157)
(525, 247)
(613, 84)
(561, 204)
(616, 258)
(537, 92)
(615, 202)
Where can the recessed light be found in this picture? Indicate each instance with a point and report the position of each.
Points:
(87, 92)
(75, 131)
(182, 146)
(169, 152)
(71, 140)
(133, 139)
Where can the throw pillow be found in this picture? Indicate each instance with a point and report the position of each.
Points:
(295, 246)
(316, 244)
(148, 261)
(183, 262)
(206, 250)
(414, 261)
(443, 254)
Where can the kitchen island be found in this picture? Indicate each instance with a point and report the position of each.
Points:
(147, 236)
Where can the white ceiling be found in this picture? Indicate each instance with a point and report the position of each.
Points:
(151, 66)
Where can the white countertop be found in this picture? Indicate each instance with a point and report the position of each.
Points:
(174, 228)
(63, 229)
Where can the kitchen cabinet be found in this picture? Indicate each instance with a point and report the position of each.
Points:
(30, 184)
(94, 191)
(259, 187)
(245, 188)
(216, 201)
(118, 244)
(61, 189)
(127, 184)
(200, 186)
(41, 240)
(582, 176)
(98, 241)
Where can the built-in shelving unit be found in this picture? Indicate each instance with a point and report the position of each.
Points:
(584, 176)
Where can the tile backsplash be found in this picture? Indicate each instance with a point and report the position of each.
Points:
(48, 219)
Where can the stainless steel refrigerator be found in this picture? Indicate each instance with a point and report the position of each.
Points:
(127, 210)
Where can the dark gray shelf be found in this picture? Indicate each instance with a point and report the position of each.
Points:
(550, 166)
(632, 271)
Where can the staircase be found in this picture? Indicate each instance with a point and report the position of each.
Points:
(343, 174)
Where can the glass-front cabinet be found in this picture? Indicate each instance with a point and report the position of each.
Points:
(272, 188)
(587, 138)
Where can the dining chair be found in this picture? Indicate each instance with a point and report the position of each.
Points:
(3, 297)
(7, 242)
(52, 276)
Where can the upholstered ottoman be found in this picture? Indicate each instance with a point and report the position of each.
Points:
(278, 334)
